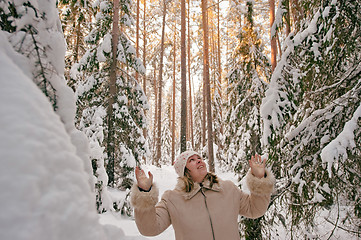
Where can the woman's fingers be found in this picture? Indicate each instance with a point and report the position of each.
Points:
(137, 172)
(257, 159)
(143, 181)
(150, 176)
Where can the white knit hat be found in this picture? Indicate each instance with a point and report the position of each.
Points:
(181, 161)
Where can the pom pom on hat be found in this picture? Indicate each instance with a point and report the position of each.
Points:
(181, 162)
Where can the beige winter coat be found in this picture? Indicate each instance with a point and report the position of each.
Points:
(203, 212)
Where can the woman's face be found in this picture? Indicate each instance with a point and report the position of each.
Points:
(197, 168)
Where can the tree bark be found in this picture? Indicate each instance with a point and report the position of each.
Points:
(219, 62)
(190, 131)
(204, 116)
(137, 37)
(273, 38)
(145, 133)
(297, 13)
(287, 18)
(160, 80)
(183, 133)
(207, 86)
(155, 109)
(174, 88)
(112, 95)
(144, 49)
(77, 43)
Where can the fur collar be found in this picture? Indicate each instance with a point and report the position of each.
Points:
(206, 184)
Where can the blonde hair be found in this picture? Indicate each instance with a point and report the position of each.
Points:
(189, 183)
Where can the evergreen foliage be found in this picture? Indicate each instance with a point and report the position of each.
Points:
(33, 29)
(305, 116)
(246, 86)
(76, 17)
(167, 132)
(128, 146)
(34, 42)
(198, 119)
(313, 99)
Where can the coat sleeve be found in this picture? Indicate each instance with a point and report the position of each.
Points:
(152, 218)
(255, 205)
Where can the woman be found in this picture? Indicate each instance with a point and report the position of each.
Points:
(201, 207)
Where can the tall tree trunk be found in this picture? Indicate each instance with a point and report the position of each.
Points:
(112, 95)
(204, 115)
(227, 60)
(207, 85)
(204, 112)
(144, 48)
(279, 46)
(155, 109)
(297, 13)
(183, 133)
(273, 38)
(213, 57)
(160, 80)
(145, 133)
(173, 104)
(77, 43)
(190, 80)
(219, 66)
(287, 17)
(137, 37)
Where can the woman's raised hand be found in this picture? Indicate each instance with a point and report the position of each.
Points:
(257, 166)
(143, 181)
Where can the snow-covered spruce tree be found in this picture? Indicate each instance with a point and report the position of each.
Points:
(167, 132)
(125, 125)
(246, 86)
(30, 34)
(76, 19)
(312, 121)
(218, 119)
(33, 28)
(197, 120)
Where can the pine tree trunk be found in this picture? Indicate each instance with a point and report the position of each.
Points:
(112, 95)
(144, 49)
(273, 38)
(190, 131)
(297, 13)
(204, 115)
(183, 133)
(77, 44)
(160, 80)
(219, 69)
(155, 109)
(173, 103)
(288, 19)
(145, 132)
(207, 86)
(137, 37)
